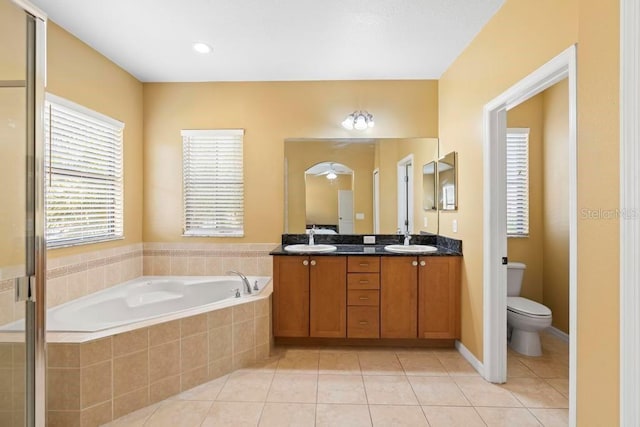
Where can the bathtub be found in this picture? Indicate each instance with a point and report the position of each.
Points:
(146, 299)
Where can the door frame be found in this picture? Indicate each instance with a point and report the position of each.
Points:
(629, 212)
(495, 234)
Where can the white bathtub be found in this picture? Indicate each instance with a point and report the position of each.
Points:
(146, 298)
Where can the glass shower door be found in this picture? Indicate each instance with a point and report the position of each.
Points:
(21, 246)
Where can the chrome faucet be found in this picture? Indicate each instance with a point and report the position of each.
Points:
(312, 231)
(247, 285)
(407, 238)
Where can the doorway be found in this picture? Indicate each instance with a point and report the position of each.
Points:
(405, 195)
(495, 229)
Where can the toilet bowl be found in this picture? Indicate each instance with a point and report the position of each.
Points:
(525, 318)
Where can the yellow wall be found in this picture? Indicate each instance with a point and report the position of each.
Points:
(270, 112)
(529, 249)
(555, 247)
(523, 35)
(301, 155)
(322, 198)
(80, 74)
(12, 140)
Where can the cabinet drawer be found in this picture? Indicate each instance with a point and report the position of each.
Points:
(363, 281)
(363, 322)
(363, 264)
(363, 297)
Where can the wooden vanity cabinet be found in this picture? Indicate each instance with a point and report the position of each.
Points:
(398, 297)
(363, 297)
(439, 297)
(310, 296)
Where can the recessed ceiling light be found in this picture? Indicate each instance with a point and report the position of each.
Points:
(201, 47)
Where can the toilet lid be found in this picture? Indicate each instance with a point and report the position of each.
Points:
(527, 307)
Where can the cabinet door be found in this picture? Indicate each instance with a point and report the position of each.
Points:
(398, 297)
(291, 296)
(439, 297)
(328, 301)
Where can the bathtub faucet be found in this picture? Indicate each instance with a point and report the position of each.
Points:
(247, 285)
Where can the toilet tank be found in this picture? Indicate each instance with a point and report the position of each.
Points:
(515, 273)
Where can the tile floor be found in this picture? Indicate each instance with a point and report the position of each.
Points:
(373, 387)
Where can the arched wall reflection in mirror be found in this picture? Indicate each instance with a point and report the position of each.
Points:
(373, 184)
(447, 182)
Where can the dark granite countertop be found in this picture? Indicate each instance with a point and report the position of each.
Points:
(365, 250)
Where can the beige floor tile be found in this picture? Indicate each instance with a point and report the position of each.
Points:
(134, 419)
(301, 362)
(342, 415)
(288, 415)
(389, 390)
(560, 384)
(452, 416)
(397, 416)
(546, 367)
(516, 369)
(341, 389)
(457, 365)
(379, 363)
(268, 366)
(206, 391)
(293, 388)
(552, 417)
(438, 391)
(536, 393)
(178, 413)
(233, 414)
(507, 417)
(246, 387)
(421, 364)
(339, 362)
(481, 393)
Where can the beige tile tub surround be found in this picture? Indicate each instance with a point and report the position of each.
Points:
(92, 383)
(207, 259)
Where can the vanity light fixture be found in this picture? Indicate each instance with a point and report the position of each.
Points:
(359, 120)
(201, 47)
(331, 175)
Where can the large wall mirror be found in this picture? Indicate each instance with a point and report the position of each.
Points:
(359, 185)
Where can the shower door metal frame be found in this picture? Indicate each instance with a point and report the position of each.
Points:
(33, 292)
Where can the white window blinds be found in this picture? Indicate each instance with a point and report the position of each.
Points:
(517, 182)
(83, 174)
(213, 185)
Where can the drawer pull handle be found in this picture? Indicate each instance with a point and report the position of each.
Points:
(364, 282)
(363, 322)
(364, 264)
(364, 298)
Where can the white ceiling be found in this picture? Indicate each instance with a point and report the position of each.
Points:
(276, 40)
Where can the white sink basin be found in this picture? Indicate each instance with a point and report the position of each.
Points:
(309, 248)
(410, 249)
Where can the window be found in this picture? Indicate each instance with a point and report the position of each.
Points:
(517, 182)
(213, 186)
(83, 174)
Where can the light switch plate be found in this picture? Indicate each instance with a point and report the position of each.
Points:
(359, 215)
(454, 225)
(369, 240)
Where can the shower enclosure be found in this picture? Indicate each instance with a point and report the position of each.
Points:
(22, 246)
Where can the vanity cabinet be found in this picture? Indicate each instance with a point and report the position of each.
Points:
(310, 296)
(439, 297)
(398, 297)
(363, 297)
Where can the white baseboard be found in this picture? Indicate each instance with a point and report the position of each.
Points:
(464, 351)
(558, 333)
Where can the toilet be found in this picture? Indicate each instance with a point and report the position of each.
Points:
(525, 318)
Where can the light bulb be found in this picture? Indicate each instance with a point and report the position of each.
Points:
(201, 47)
(370, 122)
(361, 122)
(331, 175)
(348, 122)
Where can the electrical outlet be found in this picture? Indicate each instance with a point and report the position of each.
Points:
(454, 225)
(426, 222)
(369, 240)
